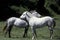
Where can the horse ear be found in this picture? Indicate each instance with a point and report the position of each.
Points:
(26, 13)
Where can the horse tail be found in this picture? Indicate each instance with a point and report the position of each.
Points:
(5, 27)
(54, 23)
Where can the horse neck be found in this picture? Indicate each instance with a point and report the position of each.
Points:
(28, 18)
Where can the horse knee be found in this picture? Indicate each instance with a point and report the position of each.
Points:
(50, 28)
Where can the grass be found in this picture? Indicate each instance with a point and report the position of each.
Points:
(42, 33)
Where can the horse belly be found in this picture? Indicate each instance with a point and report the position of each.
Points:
(21, 24)
(39, 25)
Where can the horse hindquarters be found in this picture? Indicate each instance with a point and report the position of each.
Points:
(50, 26)
(8, 28)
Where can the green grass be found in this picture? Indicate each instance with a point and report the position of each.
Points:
(42, 33)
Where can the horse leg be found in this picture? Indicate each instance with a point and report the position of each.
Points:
(51, 29)
(7, 29)
(51, 32)
(25, 32)
(10, 28)
(50, 26)
(34, 34)
(5, 33)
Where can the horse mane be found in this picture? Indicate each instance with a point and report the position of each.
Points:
(29, 14)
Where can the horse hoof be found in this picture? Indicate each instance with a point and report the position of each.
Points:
(24, 37)
(9, 36)
(51, 38)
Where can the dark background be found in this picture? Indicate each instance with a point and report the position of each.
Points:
(14, 8)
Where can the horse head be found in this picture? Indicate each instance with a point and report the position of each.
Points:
(35, 13)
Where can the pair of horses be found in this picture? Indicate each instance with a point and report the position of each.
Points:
(18, 22)
(32, 19)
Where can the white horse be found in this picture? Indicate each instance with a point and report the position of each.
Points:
(18, 22)
(35, 22)
(34, 13)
